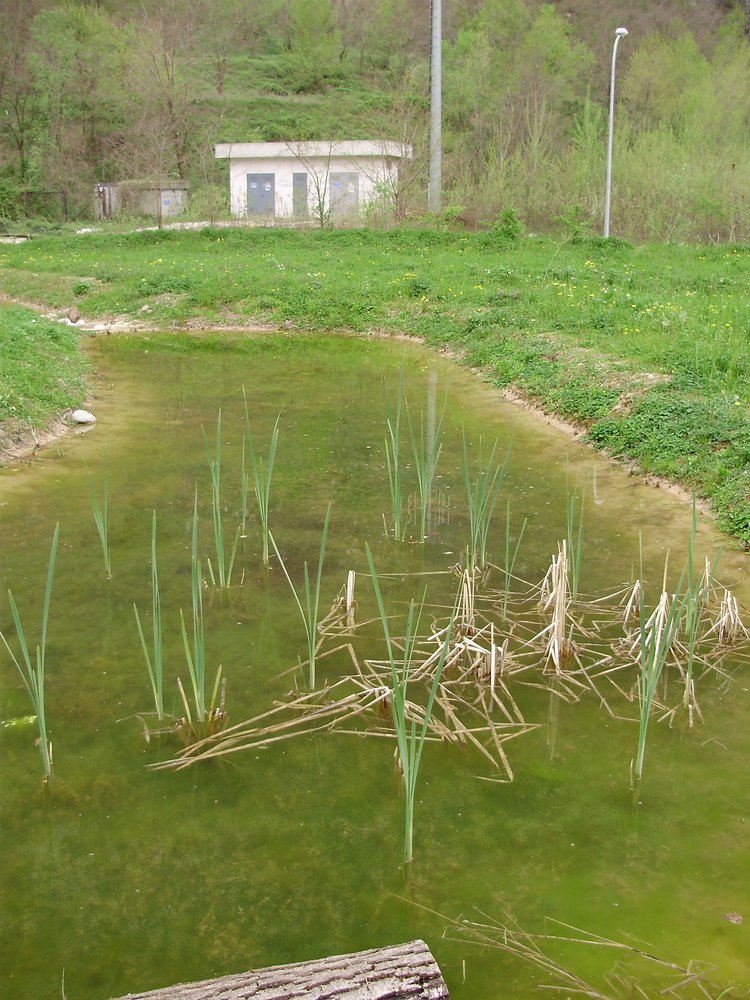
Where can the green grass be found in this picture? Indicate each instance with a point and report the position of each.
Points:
(42, 371)
(644, 347)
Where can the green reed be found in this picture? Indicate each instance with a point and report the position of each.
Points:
(310, 611)
(33, 672)
(482, 495)
(393, 457)
(155, 659)
(195, 646)
(261, 473)
(224, 567)
(100, 512)
(410, 738)
(510, 560)
(656, 638)
(426, 447)
(697, 594)
(574, 534)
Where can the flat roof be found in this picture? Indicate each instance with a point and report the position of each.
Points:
(354, 148)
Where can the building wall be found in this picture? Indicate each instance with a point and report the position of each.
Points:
(372, 171)
(112, 199)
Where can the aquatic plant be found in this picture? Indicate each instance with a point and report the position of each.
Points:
(574, 536)
(224, 567)
(393, 457)
(481, 496)
(510, 561)
(155, 659)
(410, 736)
(195, 648)
(262, 473)
(426, 447)
(635, 972)
(100, 512)
(33, 672)
(697, 594)
(555, 597)
(309, 613)
(656, 636)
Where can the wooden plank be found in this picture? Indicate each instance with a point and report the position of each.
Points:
(400, 972)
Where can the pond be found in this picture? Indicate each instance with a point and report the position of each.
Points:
(118, 877)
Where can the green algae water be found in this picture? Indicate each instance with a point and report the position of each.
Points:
(120, 879)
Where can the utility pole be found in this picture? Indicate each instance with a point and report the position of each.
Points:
(436, 138)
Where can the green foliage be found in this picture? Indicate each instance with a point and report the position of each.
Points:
(508, 228)
(41, 370)
(314, 42)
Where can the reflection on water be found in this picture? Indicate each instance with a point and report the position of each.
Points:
(127, 879)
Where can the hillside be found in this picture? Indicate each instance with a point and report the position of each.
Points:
(121, 89)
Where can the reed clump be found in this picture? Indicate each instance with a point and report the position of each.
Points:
(202, 714)
(393, 459)
(482, 494)
(32, 670)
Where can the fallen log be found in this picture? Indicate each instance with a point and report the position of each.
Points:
(400, 972)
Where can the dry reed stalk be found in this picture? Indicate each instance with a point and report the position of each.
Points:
(729, 627)
(341, 619)
(633, 606)
(555, 598)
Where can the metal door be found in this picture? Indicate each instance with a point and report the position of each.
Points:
(299, 196)
(261, 194)
(344, 198)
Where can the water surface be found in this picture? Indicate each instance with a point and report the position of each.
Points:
(125, 879)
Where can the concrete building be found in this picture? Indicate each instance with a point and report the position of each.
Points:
(313, 181)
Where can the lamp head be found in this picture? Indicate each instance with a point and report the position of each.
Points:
(621, 32)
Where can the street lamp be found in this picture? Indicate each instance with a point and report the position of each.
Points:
(436, 88)
(620, 33)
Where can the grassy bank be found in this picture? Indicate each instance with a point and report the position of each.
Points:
(646, 347)
(42, 373)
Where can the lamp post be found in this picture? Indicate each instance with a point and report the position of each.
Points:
(620, 33)
(436, 141)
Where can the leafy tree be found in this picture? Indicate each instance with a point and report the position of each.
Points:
(314, 41)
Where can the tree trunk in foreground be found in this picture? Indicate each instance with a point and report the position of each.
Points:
(405, 971)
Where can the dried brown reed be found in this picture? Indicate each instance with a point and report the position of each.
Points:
(537, 636)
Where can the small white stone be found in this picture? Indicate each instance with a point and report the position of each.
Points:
(83, 417)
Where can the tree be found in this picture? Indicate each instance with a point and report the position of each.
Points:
(163, 86)
(314, 41)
